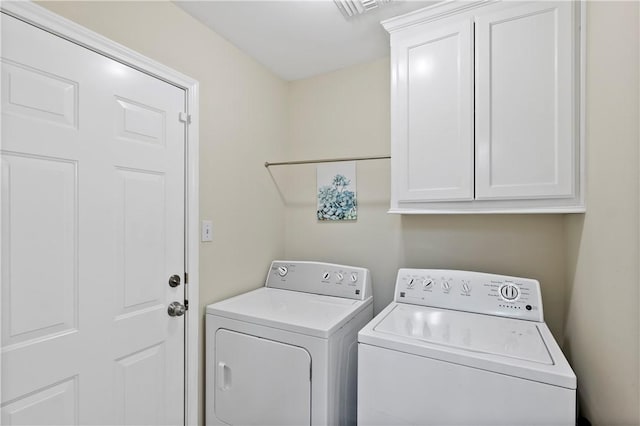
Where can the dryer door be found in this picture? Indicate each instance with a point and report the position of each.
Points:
(260, 381)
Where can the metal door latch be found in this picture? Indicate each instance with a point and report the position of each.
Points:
(176, 309)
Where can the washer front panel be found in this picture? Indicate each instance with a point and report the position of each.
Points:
(397, 388)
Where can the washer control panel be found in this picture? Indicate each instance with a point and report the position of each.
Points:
(477, 292)
(328, 279)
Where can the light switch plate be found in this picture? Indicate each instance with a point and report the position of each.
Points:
(206, 231)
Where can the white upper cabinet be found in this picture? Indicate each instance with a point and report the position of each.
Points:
(486, 108)
(436, 65)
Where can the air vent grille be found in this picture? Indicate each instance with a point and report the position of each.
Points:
(350, 8)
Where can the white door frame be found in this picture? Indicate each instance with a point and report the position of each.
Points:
(69, 30)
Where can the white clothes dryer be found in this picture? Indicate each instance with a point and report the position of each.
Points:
(286, 353)
(463, 348)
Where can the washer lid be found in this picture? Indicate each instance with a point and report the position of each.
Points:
(305, 313)
(472, 332)
(517, 348)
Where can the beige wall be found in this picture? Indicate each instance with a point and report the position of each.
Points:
(346, 113)
(242, 124)
(601, 333)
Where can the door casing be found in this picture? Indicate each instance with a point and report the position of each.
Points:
(69, 30)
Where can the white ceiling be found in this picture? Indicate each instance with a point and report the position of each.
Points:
(300, 38)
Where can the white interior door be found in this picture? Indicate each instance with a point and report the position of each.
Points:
(92, 228)
(260, 381)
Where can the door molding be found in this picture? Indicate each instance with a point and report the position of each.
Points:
(75, 33)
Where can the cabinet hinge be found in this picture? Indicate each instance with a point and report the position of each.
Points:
(186, 305)
(184, 117)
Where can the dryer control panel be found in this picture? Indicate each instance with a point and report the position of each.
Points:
(328, 279)
(467, 291)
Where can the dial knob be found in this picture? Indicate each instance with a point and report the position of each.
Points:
(326, 276)
(282, 270)
(466, 287)
(339, 276)
(445, 285)
(411, 283)
(509, 292)
(354, 277)
(427, 284)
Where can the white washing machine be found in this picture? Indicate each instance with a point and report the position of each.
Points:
(286, 353)
(463, 348)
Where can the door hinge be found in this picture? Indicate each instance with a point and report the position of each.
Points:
(186, 305)
(184, 117)
(310, 371)
(186, 278)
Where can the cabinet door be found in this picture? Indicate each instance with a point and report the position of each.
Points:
(525, 109)
(432, 146)
(260, 381)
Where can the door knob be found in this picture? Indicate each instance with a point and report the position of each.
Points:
(176, 309)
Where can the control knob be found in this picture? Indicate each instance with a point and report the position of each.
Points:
(509, 292)
(339, 276)
(282, 270)
(466, 288)
(446, 286)
(411, 283)
(354, 277)
(427, 284)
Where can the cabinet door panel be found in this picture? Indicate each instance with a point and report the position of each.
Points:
(525, 115)
(433, 122)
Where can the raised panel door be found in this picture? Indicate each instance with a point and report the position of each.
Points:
(92, 228)
(525, 102)
(432, 114)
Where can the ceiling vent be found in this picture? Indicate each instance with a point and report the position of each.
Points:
(350, 8)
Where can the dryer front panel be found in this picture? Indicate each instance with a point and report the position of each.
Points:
(260, 381)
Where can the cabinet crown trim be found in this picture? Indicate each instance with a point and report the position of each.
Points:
(432, 13)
